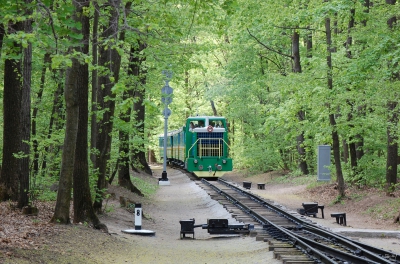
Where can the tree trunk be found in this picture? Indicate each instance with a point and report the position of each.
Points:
(124, 177)
(2, 32)
(12, 122)
(56, 115)
(301, 150)
(46, 62)
(366, 10)
(139, 153)
(95, 86)
(110, 59)
(349, 43)
(61, 212)
(73, 83)
(393, 120)
(26, 117)
(83, 208)
(392, 148)
(335, 136)
(214, 109)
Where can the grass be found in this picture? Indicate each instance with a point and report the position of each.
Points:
(357, 196)
(385, 211)
(147, 188)
(309, 180)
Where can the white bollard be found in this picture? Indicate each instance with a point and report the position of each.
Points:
(138, 216)
(138, 224)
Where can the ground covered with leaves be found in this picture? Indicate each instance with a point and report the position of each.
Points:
(32, 239)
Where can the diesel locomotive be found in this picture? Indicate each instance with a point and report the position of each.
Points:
(201, 146)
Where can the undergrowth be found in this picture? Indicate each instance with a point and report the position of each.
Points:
(386, 210)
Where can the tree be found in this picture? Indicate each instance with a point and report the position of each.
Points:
(83, 208)
(138, 70)
(72, 82)
(110, 61)
(335, 135)
(26, 114)
(124, 178)
(300, 114)
(393, 120)
(9, 187)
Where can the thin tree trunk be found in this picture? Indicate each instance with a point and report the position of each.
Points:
(56, 115)
(345, 151)
(95, 88)
(301, 150)
(46, 61)
(335, 135)
(393, 120)
(349, 43)
(2, 32)
(139, 153)
(110, 59)
(214, 109)
(124, 177)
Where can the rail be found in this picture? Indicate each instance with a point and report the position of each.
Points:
(360, 252)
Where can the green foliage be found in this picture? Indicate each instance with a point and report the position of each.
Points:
(146, 188)
(108, 208)
(338, 199)
(238, 55)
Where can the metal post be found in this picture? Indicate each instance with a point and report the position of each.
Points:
(166, 99)
(164, 173)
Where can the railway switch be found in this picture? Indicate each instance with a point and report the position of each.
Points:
(214, 226)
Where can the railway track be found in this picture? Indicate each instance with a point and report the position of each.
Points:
(292, 238)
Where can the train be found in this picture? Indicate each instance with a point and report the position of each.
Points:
(200, 146)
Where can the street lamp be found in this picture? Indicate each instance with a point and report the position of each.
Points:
(166, 99)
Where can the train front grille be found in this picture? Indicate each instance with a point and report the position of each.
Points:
(210, 144)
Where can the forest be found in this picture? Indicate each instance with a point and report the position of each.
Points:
(81, 90)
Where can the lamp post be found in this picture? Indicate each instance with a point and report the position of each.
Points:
(166, 99)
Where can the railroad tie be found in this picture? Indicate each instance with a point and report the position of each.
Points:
(299, 257)
(298, 262)
(279, 252)
(262, 237)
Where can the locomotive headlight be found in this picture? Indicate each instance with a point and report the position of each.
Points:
(224, 161)
(200, 167)
(195, 161)
(219, 167)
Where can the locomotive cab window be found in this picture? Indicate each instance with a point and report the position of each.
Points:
(216, 123)
(193, 124)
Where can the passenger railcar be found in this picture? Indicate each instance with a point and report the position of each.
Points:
(201, 146)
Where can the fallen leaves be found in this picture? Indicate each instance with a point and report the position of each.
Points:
(22, 231)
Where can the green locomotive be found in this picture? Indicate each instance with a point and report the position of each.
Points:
(201, 146)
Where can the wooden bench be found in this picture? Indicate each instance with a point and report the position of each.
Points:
(261, 186)
(311, 208)
(340, 218)
(247, 185)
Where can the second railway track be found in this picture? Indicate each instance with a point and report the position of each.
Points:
(293, 238)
